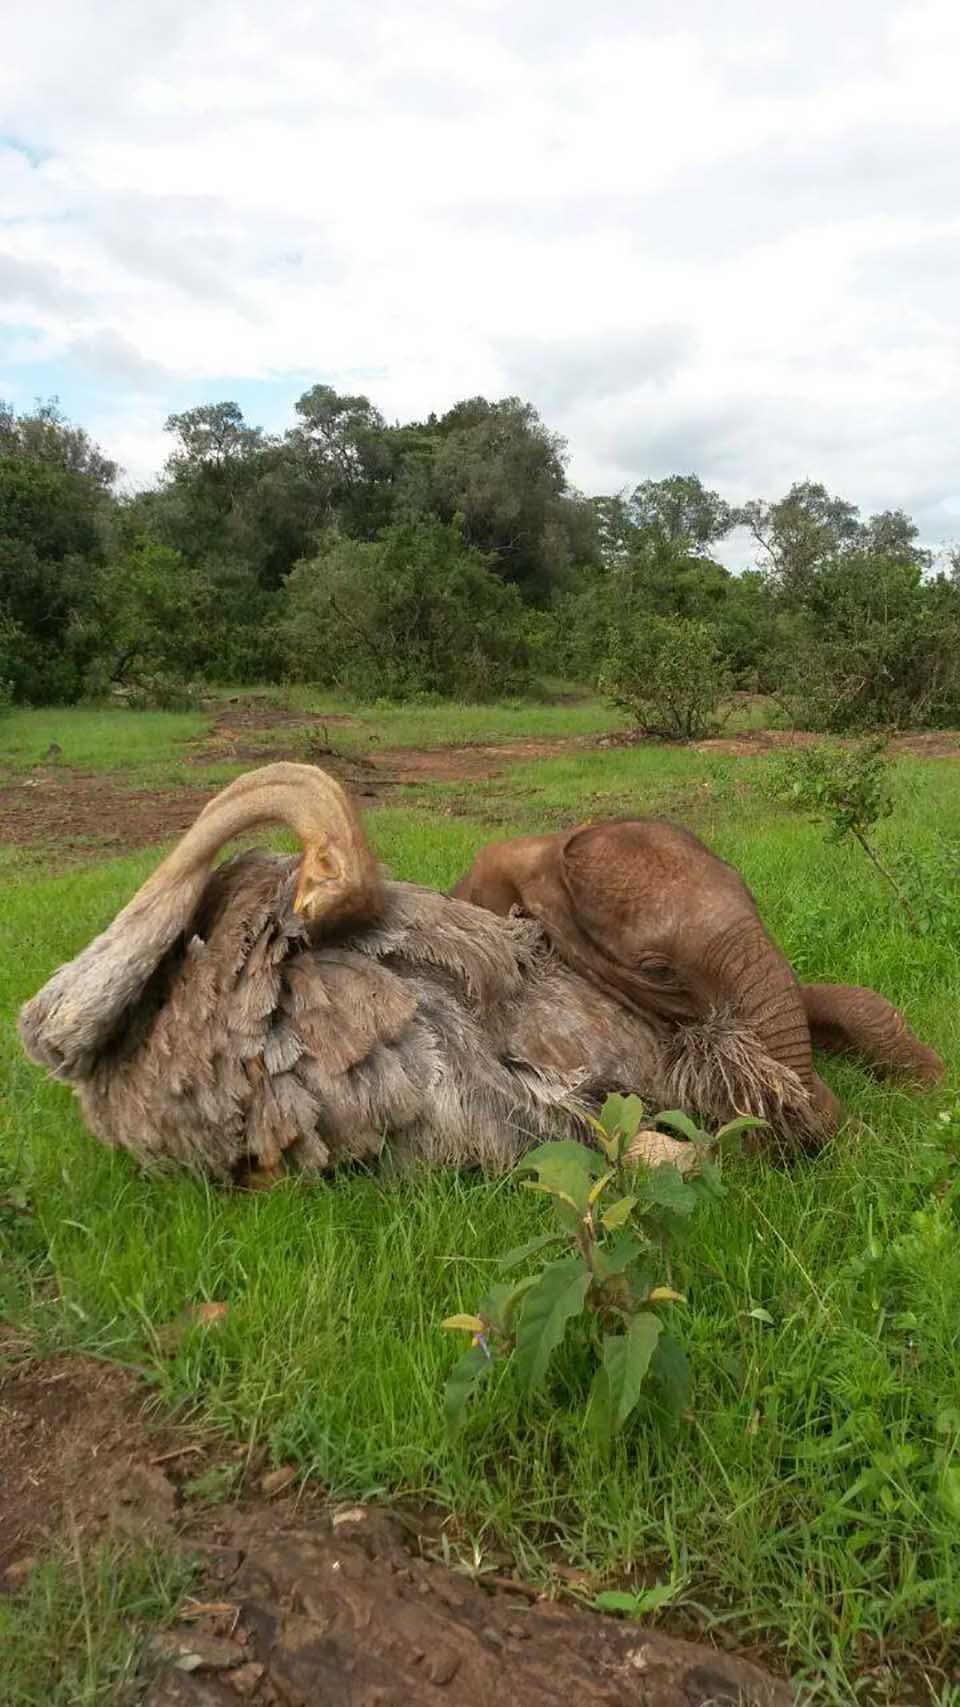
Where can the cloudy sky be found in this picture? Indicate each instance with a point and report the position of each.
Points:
(698, 237)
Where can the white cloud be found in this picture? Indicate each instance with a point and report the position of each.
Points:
(721, 239)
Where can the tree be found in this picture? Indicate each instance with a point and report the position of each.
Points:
(417, 611)
(157, 615)
(682, 510)
(800, 533)
(497, 466)
(877, 646)
(54, 501)
(213, 439)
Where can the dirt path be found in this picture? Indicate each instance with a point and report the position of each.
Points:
(300, 1604)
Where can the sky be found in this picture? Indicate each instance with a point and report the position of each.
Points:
(699, 238)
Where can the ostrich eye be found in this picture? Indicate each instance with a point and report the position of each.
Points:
(658, 971)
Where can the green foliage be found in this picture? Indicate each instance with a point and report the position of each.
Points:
(158, 615)
(617, 1219)
(53, 502)
(669, 676)
(207, 575)
(418, 611)
(74, 1637)
(875, 645)
(851, 790)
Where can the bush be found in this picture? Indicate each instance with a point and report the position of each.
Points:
(876, 648)
(416, 611)
(669, 676)
(11, 635)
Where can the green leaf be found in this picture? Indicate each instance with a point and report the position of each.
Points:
(760, 1315)
(619, 1254)
(626, 1359)
(621, 1115)
(670, 1370)
(612, 1600)
(557, 1295)
(666, 1187)
(514, 1258)
(637, 1605)
(565, 1169)
(598, 1186)
(949, 1491)
(680, 1122)
(499, 1303)
(744, 1123)
(563, 1149)
(618, 1213)
(463, 1380)
(471, 1324)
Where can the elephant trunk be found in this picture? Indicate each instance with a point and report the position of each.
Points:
(749, 971)
(846, 1017)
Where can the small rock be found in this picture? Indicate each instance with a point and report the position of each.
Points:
(246, 1678)
(18, 1572)
(191, 1650)
(442, 1668)
(352, 1514)
(275, 1481)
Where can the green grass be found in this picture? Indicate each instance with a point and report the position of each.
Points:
(92, 738)
(75, 1636)
(804, 1501)
(548, 793)
(442, 725)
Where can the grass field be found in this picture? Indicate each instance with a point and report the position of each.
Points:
(810, 1501)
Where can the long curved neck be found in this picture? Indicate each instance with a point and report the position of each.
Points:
(304, 799)
(78, 1010)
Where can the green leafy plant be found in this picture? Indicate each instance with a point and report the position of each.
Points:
(851, 790)
(615, 1221)
(669, 675)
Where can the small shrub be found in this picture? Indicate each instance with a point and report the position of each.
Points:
(669, 676)
(851, 790)
(615, 1221)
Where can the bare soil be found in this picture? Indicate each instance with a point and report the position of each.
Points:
(298, 1603)
(927, 744)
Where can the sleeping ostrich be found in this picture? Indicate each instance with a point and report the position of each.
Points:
(281, 1010)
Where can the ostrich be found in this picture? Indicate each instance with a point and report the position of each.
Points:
(280, 1010)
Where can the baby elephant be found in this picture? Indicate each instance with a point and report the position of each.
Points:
(647, 913)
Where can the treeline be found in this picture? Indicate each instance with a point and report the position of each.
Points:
(450, 557)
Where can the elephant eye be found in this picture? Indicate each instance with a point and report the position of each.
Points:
(660, 971)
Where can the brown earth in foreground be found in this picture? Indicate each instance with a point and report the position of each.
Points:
(298, 1604)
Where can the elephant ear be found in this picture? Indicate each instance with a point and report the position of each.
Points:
(606, 869)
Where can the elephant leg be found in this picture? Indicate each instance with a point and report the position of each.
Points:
(846, 1018)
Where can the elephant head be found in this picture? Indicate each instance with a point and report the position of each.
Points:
(644, 910)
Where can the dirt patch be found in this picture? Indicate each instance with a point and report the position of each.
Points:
(298, 1604)
(72, 1438)
(80, 813)
(472, 762)
(74, 814)
(929, 744)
